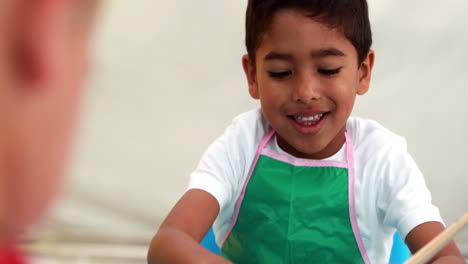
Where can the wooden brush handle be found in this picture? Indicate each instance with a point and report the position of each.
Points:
(430, 249)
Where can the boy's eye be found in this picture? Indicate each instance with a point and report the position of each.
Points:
(279, 75)
(329, 72)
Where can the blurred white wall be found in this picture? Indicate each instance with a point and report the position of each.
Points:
(167, 80)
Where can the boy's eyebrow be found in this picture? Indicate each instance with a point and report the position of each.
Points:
(328, 52)
(277, 56)
(316, 54)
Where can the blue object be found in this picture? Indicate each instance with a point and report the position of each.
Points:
(209, 242)
(400, 252)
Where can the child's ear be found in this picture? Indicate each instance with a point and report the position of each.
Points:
(365, 73)
(251, 75)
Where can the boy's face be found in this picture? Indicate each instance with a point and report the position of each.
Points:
(307, 77)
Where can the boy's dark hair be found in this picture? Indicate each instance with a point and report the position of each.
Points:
(349, 16)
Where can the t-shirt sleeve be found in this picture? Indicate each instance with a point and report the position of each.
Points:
(224, 165)
(403, 199)
(214, 171)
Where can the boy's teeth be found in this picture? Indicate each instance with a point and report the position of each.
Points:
(309, 118)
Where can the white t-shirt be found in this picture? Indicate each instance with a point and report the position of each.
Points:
(390, 191)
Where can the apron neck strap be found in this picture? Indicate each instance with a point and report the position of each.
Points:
(349, 151)
(265, 140)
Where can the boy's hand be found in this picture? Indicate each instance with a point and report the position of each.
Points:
(178, 238)
(423, 234)
(450, 260)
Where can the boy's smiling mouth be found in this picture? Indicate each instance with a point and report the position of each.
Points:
(308, 123)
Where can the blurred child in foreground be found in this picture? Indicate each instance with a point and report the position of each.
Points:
(43, 63)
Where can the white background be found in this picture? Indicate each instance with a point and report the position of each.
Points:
(167, 79)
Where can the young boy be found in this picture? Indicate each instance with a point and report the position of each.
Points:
(299, 180)
(43, 61)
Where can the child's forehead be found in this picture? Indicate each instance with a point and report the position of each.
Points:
(297, 17)
(289, 26)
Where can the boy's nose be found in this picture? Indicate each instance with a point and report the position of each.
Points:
(306, 90)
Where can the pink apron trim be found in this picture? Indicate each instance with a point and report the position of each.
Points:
(262, 145)
(304, 162)
(351, 198)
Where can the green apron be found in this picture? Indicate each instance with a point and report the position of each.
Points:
(295, 211)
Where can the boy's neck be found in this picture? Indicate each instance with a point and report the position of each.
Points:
(331, 149)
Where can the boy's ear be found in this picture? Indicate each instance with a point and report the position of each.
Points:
(38, 50)
(365, 73)
(251, 75)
